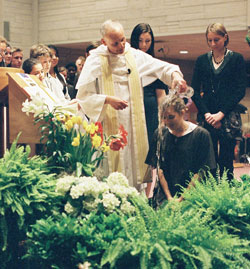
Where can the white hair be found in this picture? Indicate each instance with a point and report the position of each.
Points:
(110, 25)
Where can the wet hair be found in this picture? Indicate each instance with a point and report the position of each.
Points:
(60, 76)
(110, 25)
(135, 36)
(39, 50)
(171, 100)
(219, 29)
(28, 65)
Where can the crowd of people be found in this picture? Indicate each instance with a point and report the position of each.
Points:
(60, 79)
(121, 83)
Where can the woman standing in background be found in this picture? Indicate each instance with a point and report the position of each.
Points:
(142, 38)
(219, 83)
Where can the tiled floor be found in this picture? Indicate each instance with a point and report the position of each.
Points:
(241, 169)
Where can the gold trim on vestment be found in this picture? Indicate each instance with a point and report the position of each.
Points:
(138, 117)
(140, 142)
(111, 119)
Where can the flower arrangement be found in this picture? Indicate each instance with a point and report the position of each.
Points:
(87, 194)
(72, 144)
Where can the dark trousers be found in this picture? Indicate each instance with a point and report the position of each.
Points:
(223, 149)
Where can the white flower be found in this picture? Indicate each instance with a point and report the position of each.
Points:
(120, 191)
(69, 208)
(37, 105)
(126, 207)
(117, 178)
(110, 201)
(91, 186)
(76, 191)
(86, 265)
(64, 183)
(133, 191)
(91, 205)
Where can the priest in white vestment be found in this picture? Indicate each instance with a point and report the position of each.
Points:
(110, 91)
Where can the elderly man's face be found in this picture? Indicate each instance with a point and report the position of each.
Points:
(115, 40)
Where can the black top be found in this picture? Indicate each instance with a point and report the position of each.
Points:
(180, 156)
(151, 106)
(222, 88)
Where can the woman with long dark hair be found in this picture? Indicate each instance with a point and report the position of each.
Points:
(142, 38)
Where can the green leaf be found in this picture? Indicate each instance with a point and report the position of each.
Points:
(88, 169)
(113, 252)
(204, 256)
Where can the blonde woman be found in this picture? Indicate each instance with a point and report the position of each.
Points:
(219, 83)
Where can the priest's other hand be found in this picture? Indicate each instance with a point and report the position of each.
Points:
(116, 102)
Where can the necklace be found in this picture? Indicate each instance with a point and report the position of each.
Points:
(219, 62)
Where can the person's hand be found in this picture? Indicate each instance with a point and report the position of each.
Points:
(214, 119)
(116, 102)
(74, 101)
(178, 81)
(180, 199)
(170, 198)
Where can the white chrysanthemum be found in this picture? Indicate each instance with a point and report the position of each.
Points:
(91, 205)
(64, 183)
(69, 208)
(120, 190)
(110, 201)
(76, 191)
(91, 186)
(117, 178)
(133, 191)
(126, 207)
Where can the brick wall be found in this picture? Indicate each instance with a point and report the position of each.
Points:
(64, 21)
(79, 20)
(19, 15)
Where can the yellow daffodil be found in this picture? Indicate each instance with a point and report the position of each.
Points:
(60, 117)
(74, 120)
(67, 116)
(93, 128)
(84, 124)
(77, 120)
(96, 141)
(105, 147)
(69, 125)
(76, 141)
